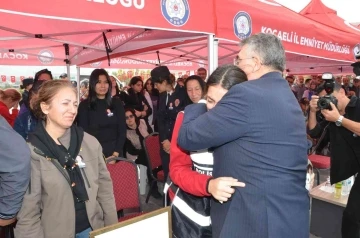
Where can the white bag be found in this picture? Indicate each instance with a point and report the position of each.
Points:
(310, 176)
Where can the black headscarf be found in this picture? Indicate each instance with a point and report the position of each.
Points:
(66, 157)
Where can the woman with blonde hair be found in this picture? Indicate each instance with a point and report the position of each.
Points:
(9, 98)
(70, 191)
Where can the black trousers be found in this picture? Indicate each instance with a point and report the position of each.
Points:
(7, 231)
(165, 160)
(349, 227)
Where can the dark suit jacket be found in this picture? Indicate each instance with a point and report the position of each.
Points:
(136, 101)
(259, 136)
(167, 112)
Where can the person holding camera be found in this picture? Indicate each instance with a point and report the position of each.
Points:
(339, 119)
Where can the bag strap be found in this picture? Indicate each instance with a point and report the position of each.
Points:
(55, 163)
(321, 138)
(176, 193)
(170, 185)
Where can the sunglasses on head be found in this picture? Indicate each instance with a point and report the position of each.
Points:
(129, 117)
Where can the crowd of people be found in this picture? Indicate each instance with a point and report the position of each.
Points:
(65, 134)
(233, 146)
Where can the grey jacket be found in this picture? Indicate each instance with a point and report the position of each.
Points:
(14, 170)
(48, 209)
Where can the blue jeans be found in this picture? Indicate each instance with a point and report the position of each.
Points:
(84, 233)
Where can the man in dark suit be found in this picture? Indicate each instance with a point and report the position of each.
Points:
(259, 135)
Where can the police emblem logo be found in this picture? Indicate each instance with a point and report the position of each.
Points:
(46, 56)
(242, 25)
(176, 12)
(356, 51)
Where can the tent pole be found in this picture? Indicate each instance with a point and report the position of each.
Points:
(67, 61)
(68, 71)
(216, 53)
(78, 82)
(90, 43)
(211, 66)
(191, 52)
(188, 54)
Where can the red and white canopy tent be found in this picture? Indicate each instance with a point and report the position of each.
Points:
(49, 33)
(311, 47)
(186, 57)
(35, 34)
(317, 11)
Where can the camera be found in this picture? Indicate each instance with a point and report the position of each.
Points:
(328, 86)
(356, 65)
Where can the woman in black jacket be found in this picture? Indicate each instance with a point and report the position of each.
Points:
(103, 116)
(136, 100)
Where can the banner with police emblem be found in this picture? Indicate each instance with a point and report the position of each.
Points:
(176, 12)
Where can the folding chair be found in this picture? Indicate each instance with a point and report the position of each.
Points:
(125, 178)
(319, 162)
(152, 149)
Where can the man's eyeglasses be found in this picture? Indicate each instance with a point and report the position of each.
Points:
(238, 60)
(129, 117)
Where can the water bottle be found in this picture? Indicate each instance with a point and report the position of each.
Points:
(346, 186)
(338, 188)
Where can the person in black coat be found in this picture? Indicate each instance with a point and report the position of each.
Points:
(26, 85)
(136, 100)
(171, 102)
(341, 127)
(102, 116)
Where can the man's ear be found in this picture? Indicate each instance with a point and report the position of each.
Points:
(258, 63)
